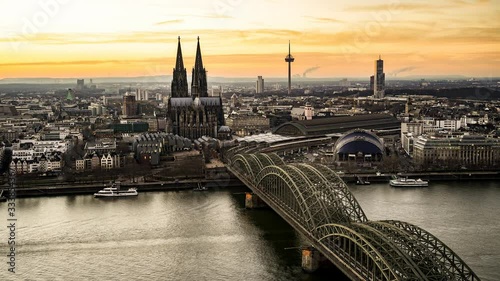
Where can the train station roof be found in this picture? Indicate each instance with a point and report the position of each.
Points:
(266, 138)
(339, 124)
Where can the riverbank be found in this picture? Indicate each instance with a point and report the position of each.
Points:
(428, 176)
(165, 186)
(88, 189)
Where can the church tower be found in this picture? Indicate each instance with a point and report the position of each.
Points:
(199, 86)
(194, 115)
(179, 81)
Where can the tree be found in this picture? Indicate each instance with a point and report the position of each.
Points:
(88, 134)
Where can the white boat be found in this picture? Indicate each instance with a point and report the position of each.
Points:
(115, 191)
(406, 182)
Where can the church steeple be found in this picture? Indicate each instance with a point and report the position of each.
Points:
(179, 63)
(199, 62)
(199, 82)
(179, 80)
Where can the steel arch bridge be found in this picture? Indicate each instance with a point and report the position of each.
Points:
(318, 204)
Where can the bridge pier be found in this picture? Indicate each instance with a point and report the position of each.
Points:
(310, 259)
(252, 201)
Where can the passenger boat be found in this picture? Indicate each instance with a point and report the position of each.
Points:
(114, 191)
(406, 182)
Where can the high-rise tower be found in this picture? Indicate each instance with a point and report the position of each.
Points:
(129, 105)
(199, 86)
(179, 82)
(259, 89)
(289, 59)
(379, 79)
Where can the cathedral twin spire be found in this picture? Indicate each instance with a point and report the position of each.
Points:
(199, 79)
(179, 63)
(179, 81)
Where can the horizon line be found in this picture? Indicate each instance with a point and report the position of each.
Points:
(248, 77)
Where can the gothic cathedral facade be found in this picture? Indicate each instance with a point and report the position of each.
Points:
(193, 115)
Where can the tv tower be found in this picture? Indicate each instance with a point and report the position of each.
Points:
(289, 59)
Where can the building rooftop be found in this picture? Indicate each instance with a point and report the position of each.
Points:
(324, 126)
(8, 110)
(358, 141)
(205, 101)
(267, 138)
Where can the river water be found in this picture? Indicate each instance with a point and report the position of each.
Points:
(210, 236)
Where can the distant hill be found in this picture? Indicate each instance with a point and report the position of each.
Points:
(429, 77)
(462, 93)
(43, 80)
(216, 79)
(154, 79)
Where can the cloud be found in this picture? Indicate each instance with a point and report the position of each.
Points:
(169, 22)
(431, 8)
(470, 2)
(436, 7)
(324, 20)
(256, 40)
(214, 16)
(148, 36)
(82, 62)
(205, 16)
(249, 65)
(95, 38)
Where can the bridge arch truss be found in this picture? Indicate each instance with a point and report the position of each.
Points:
(316, 201)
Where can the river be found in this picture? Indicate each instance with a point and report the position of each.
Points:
(210, 236)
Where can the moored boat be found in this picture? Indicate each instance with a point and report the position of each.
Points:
(406, 182)
(114, 191)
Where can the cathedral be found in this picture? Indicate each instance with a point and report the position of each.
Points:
(193, 115)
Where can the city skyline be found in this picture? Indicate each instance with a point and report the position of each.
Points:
(64, 39)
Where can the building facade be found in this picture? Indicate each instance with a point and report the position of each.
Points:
(246, 125)
(46, 163)
(451, 152)
(100, 147)
(411, 131)
(149, 147)
(31, 149)
(359, 146)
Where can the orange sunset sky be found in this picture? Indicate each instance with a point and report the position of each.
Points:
(246, 38)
